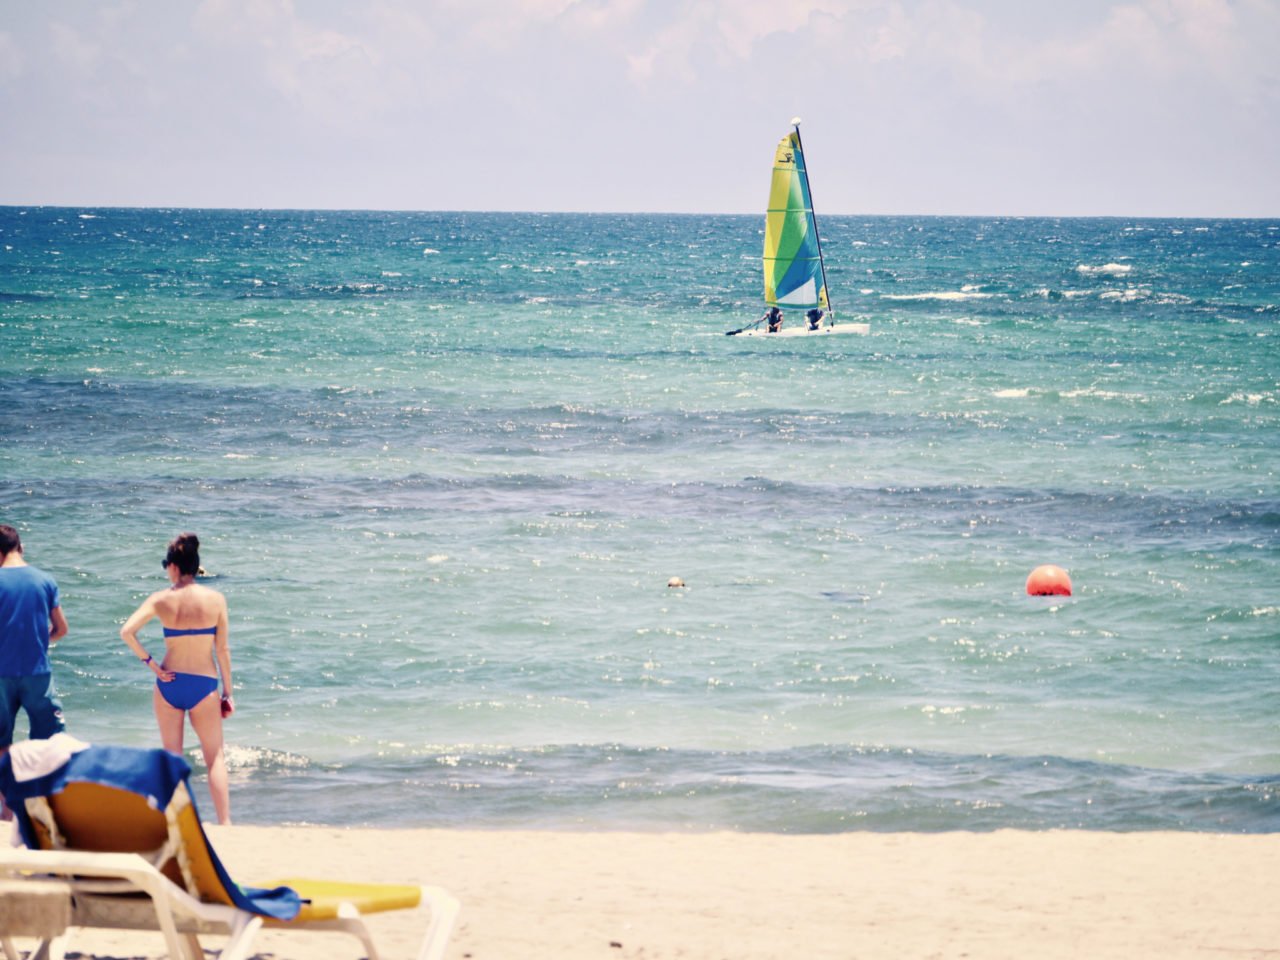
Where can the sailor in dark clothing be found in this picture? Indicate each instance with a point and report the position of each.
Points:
(815, 318)
(774, 318)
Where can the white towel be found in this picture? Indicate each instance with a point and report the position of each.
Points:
(35, 758)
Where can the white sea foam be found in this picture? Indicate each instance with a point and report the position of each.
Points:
(1107, 269)
(1013, 392)
(1102, 394)
(427, 251)
(1249, 399)
(1128, 295)
(249, 758)
(1049, 293)
(939, 295)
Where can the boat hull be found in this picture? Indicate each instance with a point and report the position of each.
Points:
(824, 331)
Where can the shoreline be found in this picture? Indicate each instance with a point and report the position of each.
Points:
(585, 895)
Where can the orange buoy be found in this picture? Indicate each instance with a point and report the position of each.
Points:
(1048, 581)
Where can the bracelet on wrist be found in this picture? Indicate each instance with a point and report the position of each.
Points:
(147, 662)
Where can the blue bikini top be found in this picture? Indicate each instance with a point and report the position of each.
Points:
(191, 632)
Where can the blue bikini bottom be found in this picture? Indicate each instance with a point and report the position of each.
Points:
(185, 690)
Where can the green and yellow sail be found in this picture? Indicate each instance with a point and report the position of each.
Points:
(793, 270)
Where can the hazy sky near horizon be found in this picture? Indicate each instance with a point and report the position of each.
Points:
(1009, 107)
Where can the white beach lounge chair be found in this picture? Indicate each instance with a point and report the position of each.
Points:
(118, 826)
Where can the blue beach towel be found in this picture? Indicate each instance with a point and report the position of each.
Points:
(153, 774)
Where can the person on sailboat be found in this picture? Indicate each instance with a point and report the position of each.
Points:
(774, 317)
(815, 318)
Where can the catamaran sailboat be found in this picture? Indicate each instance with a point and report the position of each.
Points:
(795, 276)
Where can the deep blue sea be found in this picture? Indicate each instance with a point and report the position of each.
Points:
(444, 464)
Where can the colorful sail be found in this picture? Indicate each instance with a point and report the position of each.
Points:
(793, 274)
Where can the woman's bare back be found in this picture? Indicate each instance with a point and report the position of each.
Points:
(191, 607)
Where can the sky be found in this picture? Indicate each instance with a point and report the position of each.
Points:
(970, 107)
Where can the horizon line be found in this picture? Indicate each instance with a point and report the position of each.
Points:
(7, 205)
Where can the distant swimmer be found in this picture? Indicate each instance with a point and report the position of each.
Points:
(774, 318)
(814, 317)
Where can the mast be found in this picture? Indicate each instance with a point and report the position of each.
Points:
(813, 211)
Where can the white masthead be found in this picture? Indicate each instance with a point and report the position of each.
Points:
(795, 121)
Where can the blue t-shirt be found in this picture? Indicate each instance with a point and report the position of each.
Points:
(27, 597)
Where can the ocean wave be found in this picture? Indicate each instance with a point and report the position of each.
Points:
(1052, 293)
(806, 790)
(942, 295)
(1129, 295)
(1106, 269)
(1101, 394)
(1251, 399)
(1102, 515)
(248, 761)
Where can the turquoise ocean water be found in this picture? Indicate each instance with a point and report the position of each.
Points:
(443, 466)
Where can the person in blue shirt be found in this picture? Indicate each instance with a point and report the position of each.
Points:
(31, 620)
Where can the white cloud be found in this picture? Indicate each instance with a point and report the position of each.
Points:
(743, 25)
(604, 15)
(329, 73)
(669, 54)
(892, 38)
(73, 50)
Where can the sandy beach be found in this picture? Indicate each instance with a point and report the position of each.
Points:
(727, 895)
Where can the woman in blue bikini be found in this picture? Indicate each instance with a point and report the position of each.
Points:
(194, 618)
